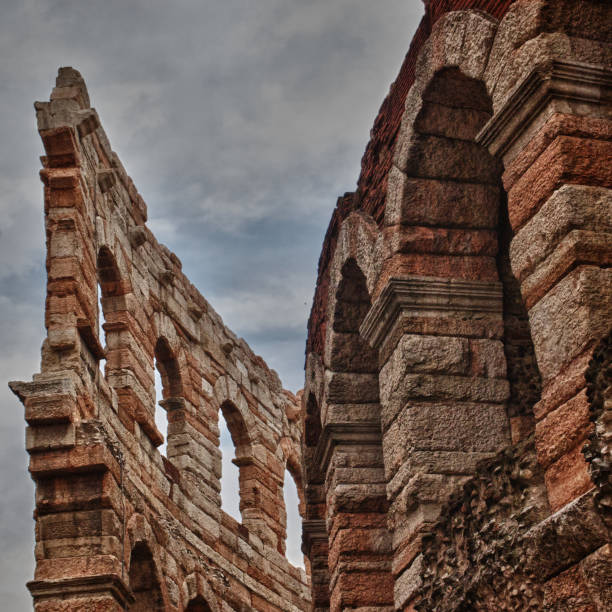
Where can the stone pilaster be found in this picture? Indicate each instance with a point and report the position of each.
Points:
(554, 135)
(443, 388)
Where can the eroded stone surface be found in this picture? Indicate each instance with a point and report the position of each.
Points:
(452, 442)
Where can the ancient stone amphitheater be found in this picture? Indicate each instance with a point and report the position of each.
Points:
(452, 445)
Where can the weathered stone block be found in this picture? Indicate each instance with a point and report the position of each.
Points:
(50, 437)
(459, 426)
(456, 160)
(416, 353)
(352, 388)
(572, 316)
(567, 478)
(569, 208)
(566, 160)
(562, 429)
(418, 388)
(447, 204)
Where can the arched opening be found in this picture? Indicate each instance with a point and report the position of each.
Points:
(108, 273)
(235, 449)
(144, 584)
(350, 352)
(230, 472)
(167, 385)
(109, 285)
(455, 109)
(198, 605)
(293, 512)
(356, 498)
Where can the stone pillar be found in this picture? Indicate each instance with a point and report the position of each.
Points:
(315, 547)
(79, 506)
(442, 392)
(359, 542)
(349, 452)
(554, 135)
(554, 138)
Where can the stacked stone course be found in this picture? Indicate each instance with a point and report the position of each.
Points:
(479, 239)
(452, 442)
(119, 526)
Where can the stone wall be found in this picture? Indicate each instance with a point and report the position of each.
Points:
(452, 442)
(462, 291)
(119, 526)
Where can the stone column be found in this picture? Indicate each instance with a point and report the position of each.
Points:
(359, 543)
(349, 453)
(79, 505)
(315, 547)
(554, 133)
(442, 392)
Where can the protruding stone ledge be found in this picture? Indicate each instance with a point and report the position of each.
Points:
(78, 587)
(419, 295)
(359, 434)
(561, 80)
(313, 530)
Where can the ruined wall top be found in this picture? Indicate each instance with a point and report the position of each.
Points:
(118, 307)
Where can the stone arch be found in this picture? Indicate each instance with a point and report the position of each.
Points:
(169, 369)
(169, 360)
(239, 432)
(447, 210)
(445, 49)
(198, 595)
(359, 239)
(143, 567)
(226, 390)
(169, 351)
(356, 506)
(145, 588)
(256, 488)
(113, 286)
(109, 275)
(292, 467)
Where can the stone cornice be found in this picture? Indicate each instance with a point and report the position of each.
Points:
(561, 80)
(363, 433)
(86, 585)
(313, 530)
(426, 295)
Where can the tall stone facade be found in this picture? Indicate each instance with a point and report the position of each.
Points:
(452, 443)
(120, 526)
(456, 407)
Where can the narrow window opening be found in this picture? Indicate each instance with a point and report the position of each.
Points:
(161, 417)
(167, 384)
(294, 522)
(101, 332)
(230, 473)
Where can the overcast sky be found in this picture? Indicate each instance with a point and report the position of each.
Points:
(240, 122)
